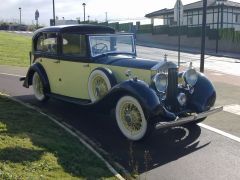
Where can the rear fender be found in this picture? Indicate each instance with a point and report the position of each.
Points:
(36, 67)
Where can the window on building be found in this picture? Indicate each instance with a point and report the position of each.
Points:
(237, 18)
(171, 21)
(190, 20)
(47, 42)
(74, 44)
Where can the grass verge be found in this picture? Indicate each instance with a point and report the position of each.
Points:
(14, 49)
(33, 147)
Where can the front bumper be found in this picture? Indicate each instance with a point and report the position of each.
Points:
(181, 121)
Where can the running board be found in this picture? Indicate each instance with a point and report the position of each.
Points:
(180, 121)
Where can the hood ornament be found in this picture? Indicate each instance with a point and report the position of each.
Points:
(165, 57)
(190, 65)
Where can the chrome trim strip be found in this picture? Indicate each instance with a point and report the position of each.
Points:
(180, 121)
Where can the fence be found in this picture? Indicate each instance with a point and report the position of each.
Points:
(212, 34)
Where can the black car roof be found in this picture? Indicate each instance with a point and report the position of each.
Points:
(80, 28)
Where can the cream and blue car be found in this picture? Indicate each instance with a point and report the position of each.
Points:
(94, 66)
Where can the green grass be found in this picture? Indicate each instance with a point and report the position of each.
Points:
(14, 49)
(33, 147)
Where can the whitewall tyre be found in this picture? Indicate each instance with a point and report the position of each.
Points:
(38, 88)
(98, 85)
(130, 118)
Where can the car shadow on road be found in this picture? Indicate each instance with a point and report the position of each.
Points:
(160, 148)
(164, 147)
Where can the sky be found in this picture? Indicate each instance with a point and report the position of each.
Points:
(72, 9)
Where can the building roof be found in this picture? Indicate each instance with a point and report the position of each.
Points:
(191, 6)
(80, 28)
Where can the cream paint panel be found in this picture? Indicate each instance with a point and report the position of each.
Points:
(71, 78)
(74, 79)
(51, 68)
(119, 72)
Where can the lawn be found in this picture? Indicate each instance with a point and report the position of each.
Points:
(33, 147)
(14, 49)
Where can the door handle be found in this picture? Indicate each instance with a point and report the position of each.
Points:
(86, 65)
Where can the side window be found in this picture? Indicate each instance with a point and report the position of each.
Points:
(47, 42)
(74, 44)
(39, 46)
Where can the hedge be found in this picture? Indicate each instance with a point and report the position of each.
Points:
(127, 27)
(146, 28)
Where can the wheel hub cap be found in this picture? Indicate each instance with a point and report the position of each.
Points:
(131, 117)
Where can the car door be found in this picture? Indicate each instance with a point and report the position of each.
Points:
(47, 53)
(74, 67)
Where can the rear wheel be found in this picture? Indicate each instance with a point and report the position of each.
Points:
(131, 119)
(38, 88)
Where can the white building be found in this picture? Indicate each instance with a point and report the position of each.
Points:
(224, 13)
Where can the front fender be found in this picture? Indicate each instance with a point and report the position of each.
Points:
(143, 93)
(204, 95)
(36, 67)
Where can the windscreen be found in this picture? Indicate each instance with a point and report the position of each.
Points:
(111, 44)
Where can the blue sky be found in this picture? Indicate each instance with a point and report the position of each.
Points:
(72, 9)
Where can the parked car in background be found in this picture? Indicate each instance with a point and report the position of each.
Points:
(90, 64)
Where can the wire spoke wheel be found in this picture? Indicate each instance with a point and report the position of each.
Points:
(130, 118)
(98, 85)
(38, 88)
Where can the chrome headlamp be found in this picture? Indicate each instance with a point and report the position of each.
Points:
(160, 80)
(190, 76)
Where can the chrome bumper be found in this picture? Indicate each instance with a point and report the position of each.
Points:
(180, 121)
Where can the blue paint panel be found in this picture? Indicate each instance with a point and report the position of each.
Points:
(127, 62)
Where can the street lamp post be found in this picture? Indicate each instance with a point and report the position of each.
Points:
(219, 2)
(88, 18)
(20, 11)
(203, 36)
(84, 4)
(179, 33)
(106, 16)
(54, 22)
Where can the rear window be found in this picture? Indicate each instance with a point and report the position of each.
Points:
(47, 42)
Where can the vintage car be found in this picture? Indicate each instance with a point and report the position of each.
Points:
(90, 65)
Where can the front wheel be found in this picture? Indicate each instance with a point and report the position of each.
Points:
(131, 119)
(38, 88)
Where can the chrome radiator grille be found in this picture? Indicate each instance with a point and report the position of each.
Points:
(172, 88)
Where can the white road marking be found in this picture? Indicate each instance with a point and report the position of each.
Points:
(230, 136)
(15, 75)
(217, 74)
(232, 108)
(22, 32)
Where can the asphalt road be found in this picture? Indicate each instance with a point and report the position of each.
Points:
(215, 63)
(179, 153)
